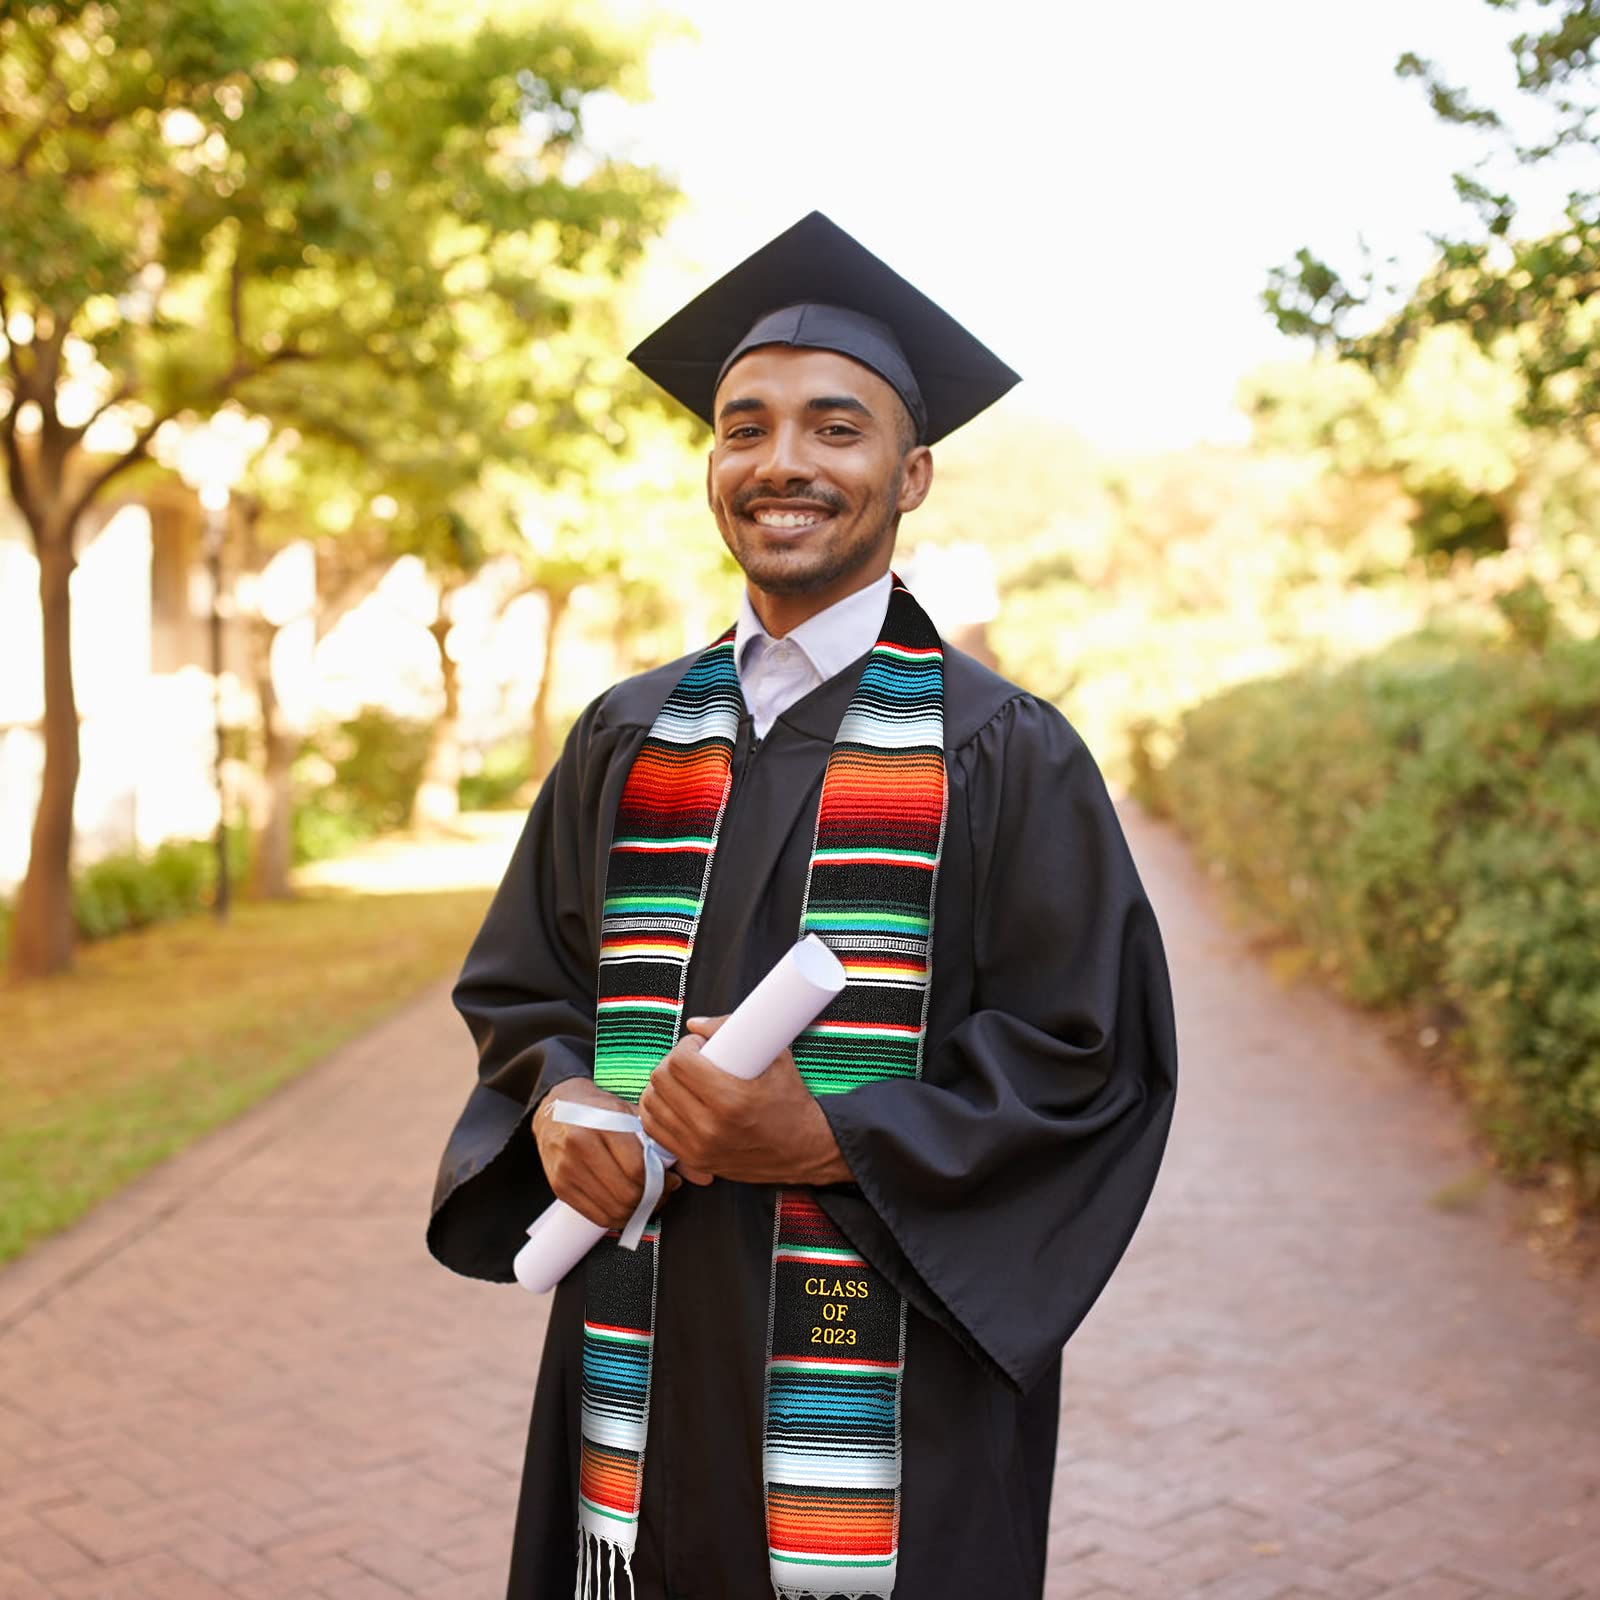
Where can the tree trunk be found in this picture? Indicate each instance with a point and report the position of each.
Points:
(43, 492)
(42, 928)
(274, 842)
(438, 801)
(542, 755)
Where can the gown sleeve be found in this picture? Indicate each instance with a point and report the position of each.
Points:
(998, 1192)
(526, 991)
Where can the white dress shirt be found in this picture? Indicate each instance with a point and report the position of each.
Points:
(774, 673)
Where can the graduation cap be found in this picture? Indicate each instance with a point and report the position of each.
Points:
(816, 288)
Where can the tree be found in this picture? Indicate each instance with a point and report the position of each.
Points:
(470, 473)
(301, 491)
(375, 478)
(1529, 298)
(626, 509)
(203, 200)
(1441, 426)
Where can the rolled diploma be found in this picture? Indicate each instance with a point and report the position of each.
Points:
(763, 1025)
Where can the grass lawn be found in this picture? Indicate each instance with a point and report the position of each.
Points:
(161, 1035)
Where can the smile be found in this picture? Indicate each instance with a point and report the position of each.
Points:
(768, 518)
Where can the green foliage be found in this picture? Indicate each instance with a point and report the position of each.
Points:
(1530, 295)
(1427, 821)
(1530, 615)
(356, 779)
(1368, 507)
(383, 228)
(1442, 426)
(154, 1041)
(1449, 521)
(128, 890)
(206, 191)
(502, 776)
(1132, 588)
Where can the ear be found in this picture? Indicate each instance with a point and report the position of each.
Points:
(916, 478)
(710, 503)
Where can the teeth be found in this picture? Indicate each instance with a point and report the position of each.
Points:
(788, 519)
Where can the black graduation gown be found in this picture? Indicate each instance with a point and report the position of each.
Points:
(996, 1194)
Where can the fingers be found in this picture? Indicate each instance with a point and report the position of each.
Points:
(601, 1206)
(688, 1089)
(673, 1183)
(598, 1205)
(688, 1077)
(668, 1106)
(586, 1205)
(598, 1174)
(626, 1159)
(667, 1126)
(704, 1027)
(616, 1170)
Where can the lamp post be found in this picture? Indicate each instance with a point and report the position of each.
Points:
(211, 460)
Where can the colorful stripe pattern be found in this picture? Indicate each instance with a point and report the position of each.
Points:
(615, 1387)
(836, 1342)
(832, 1448)
(661, 852)
(662, 846)
(880, 827)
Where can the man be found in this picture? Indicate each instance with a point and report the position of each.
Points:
(834, 1365)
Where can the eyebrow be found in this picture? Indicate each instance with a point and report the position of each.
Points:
(823, 402)
(837, 402)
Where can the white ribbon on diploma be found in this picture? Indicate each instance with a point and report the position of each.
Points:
(765, 1024)
(656, 1160)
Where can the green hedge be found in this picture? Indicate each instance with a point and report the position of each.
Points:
(130, 891)
(502, 779)
(356, 779)
(126, 891)
(1427, 822)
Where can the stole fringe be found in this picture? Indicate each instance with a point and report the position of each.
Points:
(597, 1574)
(597, 1568)
(812, 1594)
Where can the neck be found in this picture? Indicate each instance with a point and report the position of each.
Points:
(783, 613)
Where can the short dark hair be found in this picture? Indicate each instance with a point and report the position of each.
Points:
(905, 428)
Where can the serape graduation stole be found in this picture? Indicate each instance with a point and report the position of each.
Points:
(836, 1339)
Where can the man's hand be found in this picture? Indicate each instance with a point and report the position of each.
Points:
(768, 1129)
(598, 1174)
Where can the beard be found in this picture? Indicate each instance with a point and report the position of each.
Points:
(811, 564)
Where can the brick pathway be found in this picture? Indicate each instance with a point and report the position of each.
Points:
(245, 1380)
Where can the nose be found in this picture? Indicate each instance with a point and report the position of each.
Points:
(781, 460)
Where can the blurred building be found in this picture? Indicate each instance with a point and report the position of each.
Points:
(139, 647)
(141, 668)
(957, 587)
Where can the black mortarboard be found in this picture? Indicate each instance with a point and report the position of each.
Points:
(815, 287)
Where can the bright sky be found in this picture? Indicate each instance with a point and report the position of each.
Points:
(1098, 191)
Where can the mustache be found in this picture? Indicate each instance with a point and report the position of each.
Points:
(796, 489)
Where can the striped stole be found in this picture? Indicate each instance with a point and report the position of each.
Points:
(836, 1338)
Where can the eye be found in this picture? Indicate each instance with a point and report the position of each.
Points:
(747, 430)
(840, 430)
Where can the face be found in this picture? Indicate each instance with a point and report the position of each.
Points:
(808, 476)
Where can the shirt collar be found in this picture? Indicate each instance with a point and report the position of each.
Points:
(833, 638)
